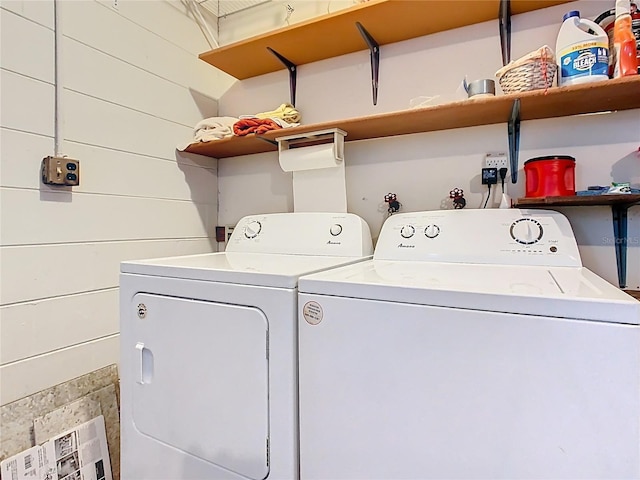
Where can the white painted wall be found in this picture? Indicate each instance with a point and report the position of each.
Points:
(272, 14)
(421, 169)
(133, 89)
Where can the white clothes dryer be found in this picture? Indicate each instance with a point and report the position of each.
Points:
(209, 349)
(474, 345)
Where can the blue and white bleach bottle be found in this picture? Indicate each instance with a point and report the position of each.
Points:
(582, 51)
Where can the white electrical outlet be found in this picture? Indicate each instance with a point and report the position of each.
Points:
(496, 160)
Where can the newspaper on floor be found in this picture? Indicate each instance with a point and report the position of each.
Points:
(77, 454)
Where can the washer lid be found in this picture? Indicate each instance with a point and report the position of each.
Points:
(564, 292)
(267, 270)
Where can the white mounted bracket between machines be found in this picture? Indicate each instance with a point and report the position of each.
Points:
(317, 162)
(311, 150)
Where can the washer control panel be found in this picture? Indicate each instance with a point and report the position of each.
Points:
(496, 236)
(336, 234)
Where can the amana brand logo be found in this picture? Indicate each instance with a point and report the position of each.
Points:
(402, 245)
(333, 243)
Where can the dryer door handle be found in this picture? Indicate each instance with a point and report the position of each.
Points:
(145, 364)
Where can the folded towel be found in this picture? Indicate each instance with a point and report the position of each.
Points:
(286, 112)
(209, 129)
(214, 128)
(254, 125)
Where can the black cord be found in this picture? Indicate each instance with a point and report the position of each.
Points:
(488, 195)
(503, 174)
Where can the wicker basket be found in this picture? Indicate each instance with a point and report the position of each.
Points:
(534, 71)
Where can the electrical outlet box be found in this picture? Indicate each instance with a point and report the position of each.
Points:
(489, 176)
(496, 160)
(61, 171)
(223, 233)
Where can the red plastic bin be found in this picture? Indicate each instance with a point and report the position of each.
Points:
(550, 176)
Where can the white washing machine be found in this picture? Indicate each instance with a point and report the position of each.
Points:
(209, 348)
(473, 346)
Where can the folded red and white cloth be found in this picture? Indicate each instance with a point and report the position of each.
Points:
(218, 128)
(258, 126)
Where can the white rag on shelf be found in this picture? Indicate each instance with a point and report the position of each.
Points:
(212, 128)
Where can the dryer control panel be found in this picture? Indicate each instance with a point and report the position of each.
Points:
(494, 236)
(313, 233)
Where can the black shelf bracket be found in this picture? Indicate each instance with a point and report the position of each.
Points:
(374, 50)
(293, 70)
(619, 214)
(504, 20)
(513, 131)
(268, 140)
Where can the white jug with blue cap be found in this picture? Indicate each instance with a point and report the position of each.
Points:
(582, 51)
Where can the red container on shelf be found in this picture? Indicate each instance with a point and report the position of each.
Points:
(551, 176)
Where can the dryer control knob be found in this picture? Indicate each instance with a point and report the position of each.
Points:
(432, 231)
(335, 229)
(252, 229)
(407, 231)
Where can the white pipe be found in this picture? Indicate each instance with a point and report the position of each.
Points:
(200, 19)
(58, 118)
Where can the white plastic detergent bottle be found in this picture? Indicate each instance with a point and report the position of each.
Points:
(582, 51)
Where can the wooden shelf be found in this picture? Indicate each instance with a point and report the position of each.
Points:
(578, 200)
(634, 293)
(610, 95)
(619, 203)
(335, 34)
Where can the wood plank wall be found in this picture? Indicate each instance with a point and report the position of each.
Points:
(133, 89)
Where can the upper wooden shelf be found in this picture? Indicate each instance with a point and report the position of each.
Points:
(335, 34)
(580, 200)
(609, 95)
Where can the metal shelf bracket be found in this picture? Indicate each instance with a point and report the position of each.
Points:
(374, 50)
(268, 140)
(293, 70)
(513, 131)
(619, 214)
(504, 20)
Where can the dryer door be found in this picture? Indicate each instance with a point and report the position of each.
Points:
(202, 380)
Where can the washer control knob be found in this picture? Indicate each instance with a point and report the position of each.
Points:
(335, 229)
(252, 229)
(526, 231)
(432, 231)
(407, 231)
